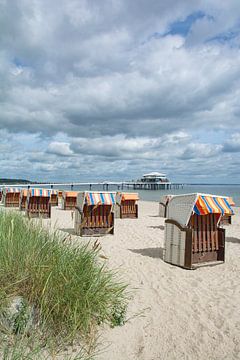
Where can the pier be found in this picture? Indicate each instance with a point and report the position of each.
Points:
(119, 185)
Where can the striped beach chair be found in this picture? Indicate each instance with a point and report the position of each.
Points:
(94, 214)
(11, 196)
(193, 234)
(126, 205)
(69, 200)
(23, 199)
(38, 203)
(54, 197)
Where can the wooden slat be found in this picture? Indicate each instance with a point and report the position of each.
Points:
(109, 217)
(199, 232)
(211, 232)
(204, 233)
(195, 234)
(208, 234)
(216, 232)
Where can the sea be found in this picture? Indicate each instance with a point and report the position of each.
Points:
(154, 195)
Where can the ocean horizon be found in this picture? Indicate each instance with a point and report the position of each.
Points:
(232, 190)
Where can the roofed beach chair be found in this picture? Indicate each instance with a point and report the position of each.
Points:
(11, 196)
(94, 215)
(69, 200)
(54, 197)
(126, 205)
(23, 199)
(38, 203)
(192, 230)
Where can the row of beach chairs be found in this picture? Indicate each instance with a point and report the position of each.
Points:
(95, 211)
(193, 232)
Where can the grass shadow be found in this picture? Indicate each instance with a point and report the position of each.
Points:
(154, 253)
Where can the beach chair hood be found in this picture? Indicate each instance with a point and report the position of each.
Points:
(69, 194)
(181, 207)
(95, 198)
(24, 192)
(120, 196)
(11, 190)
(39, 192)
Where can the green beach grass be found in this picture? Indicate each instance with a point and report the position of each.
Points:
(70, 290)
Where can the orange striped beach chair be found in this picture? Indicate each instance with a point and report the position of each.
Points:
(94, 214)
(38, 203)
(11, 196)
(126, 205)
(193, 232)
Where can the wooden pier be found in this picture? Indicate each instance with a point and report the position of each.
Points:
(119, 185)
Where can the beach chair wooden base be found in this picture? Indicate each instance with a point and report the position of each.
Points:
(70, 203)
(201, 242)
(69, 207)
(94, 220)
(12, 200)
(128, 210)
(38, 207)
(12, 205)
(54, 200)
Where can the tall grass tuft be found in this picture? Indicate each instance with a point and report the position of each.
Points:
(69, 288)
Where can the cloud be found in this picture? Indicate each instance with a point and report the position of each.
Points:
(197, 151)
(59, 148)
(121, 82)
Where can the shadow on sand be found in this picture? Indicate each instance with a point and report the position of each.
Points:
(161, 227)
(154, 253)
(233, 240)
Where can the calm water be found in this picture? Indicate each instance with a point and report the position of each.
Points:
(154, 195)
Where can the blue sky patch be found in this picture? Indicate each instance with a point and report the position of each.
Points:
(182, 27)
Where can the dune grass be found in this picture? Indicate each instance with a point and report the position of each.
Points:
(69, 288)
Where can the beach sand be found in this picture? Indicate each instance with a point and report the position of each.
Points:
(174, 313)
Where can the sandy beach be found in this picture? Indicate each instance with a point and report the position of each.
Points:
(174, 313)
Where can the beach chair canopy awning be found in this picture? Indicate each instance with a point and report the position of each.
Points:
(24, 192)
(69, 193)
(39, 192)
(231, 201)
(208, 204)
(130, 196)
(100, 198)
(181, 207)
(54, 192)
(12, 190)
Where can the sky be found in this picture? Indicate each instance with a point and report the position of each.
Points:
(112, 89)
